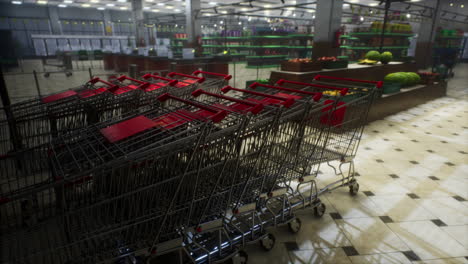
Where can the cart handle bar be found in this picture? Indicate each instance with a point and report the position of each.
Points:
(97, 79)
(143, 85)
(256, 108)
(378, 84)
(316, 96)
(172, 82)
(199, 79)
(218, 114)
(287, 101)
(226, 77)
(343, 91)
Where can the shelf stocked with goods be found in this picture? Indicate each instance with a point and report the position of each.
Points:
(448, 39)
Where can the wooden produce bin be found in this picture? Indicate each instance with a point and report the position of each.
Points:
(301, 66)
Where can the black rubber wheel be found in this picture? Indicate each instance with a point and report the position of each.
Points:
(240, 258)
(68, 74)
(46, 74)
(354, 188)
(268, 242)
(295, 225)
(320, 209)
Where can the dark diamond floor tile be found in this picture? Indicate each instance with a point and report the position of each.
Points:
(356, 174)
(462, 152)
(415, 125)
(413, 196)
(438, 222)
(414, 162)
(450, 121)
(367, 148)
(401, 132)
(379, 160)
(386, 139)
(386, 219)
(375, 131)
(368, 193)
(449, 164)
(336, 216)
(434, 178)
(439, 126)
(398, 149)
(428, 133)
(350, 251)
(390, 125)
(411, 255)
(455, 134)
(443, 141)
(430, 151)
(394, 176)
(414, 140)
(291, 245)
(459, 198)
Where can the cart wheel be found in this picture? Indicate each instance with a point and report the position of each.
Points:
(320, 209)
(68, 74)
(46, 74)
(268, 242)
(354, 188)
(295, 225)
(240, 258)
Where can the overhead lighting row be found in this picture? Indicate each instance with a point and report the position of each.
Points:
(67, 2)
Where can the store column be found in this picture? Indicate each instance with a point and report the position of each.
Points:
(193, 26)
(54, 19)
(138, 20)
(327, 24)
(426, 36)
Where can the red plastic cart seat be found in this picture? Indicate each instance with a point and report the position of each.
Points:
(55, 97)
(127, 128)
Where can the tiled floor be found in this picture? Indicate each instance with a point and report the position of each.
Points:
(412, 205)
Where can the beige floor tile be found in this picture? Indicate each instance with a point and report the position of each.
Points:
(401, 208)
(353, 206)
(387, 258)
(427, 240)
(370, 236)
(278, 254)
(447, 209)
(459, 233)
(319, 256)
(443, 261)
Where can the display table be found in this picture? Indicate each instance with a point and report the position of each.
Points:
(354, 70)
(390, 104)
(120, 63)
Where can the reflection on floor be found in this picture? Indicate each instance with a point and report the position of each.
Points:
(412, 205)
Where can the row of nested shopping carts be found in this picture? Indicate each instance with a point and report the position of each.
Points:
(175, 169)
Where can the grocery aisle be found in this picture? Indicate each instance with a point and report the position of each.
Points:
(412, 204)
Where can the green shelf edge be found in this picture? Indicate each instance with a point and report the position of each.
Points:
(266, 36)
(262, 66)
(365, 48)
(380, 33)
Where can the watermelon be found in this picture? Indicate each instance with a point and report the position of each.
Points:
(397, 77)
(386, 57)
(413, 77)
(373, 55)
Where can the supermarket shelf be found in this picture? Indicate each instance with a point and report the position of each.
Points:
(260, 37)
(258, 47)
(368, 48)
(377, 34)
(266, 56)
(449, 37)
(262, 66)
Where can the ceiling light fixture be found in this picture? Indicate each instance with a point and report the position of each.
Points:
(213, 3)
(150, 1)
(68, 2)
(176, 10)
(462, 6)
(155, 10)
(451, 4)
(361, 18)
(85, 5)
(408, 15)
(16, 2)
(313, 17)
(101, 8)
(94, 1)
(111, 5)
(373, 4)
(62, 5)
(123, 8)
(146, 8)
(240, 23)
(42, 2)
(122, 1)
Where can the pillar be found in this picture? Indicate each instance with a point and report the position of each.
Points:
(108, 30)
(193, 25)
(327, 23)
(138, 21)
(54, 20)
(426, 36)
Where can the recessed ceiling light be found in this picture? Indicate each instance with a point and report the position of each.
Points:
(155, 10)
(85, 5)
(177, 10)
(313, 17)
(462, 6)
(160, 4)
(373, 4)
(213, 3)
(244, 9)
(101, 8)
(224, 12)
(123, 8)
(267, 5)
(169, 7)
(16, 2)
(151, 1)
(353, 1)
(122, 1)
(346, 5)
(415, 0)
(146, 7)
(42, 2)
(94, 1)
(310, 11)
(68, 2)
(110, 4)
(62, 5)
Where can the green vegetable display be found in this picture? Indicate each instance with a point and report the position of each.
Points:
(403, 78)
(373, 55)
(386, 57)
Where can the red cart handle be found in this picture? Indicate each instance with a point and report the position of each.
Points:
(143, 85)
(343, 91)
(287, 101)
(97, 79)
(316, 96)
(199, 79)
(172, 82)
(256, 108)
(378, 84)
(218, 114)
(226, 77)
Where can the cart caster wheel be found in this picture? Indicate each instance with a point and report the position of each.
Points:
(319, 210)
(295, 225)
(240, 258)
(68, 74)
(46, 74)
(268, 242)
(354, 188)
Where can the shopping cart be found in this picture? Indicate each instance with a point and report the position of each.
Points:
(213, 81)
